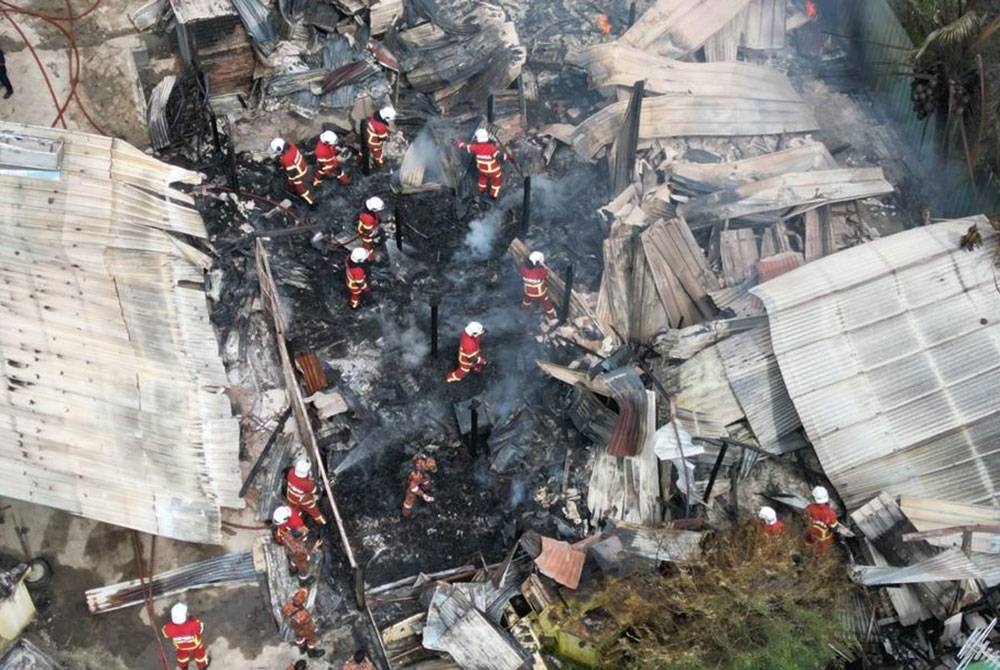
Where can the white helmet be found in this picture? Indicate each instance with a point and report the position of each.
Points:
(179, 613)
(474, 329)
(374, 204)
(302, 466)
(328, 137)
(358, 255)
(281, 514)
(482, 135)
(767, 515)
(537, 257)
(820, 495)
(388, 113)
(277, 145)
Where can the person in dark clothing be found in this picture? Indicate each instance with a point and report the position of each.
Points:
(3, 77)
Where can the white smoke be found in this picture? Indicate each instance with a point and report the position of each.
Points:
(482, 235)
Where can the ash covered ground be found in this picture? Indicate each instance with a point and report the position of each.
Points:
(379, 358)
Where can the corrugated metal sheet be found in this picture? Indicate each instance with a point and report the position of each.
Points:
(890, 352)
(561, 562)
(188, 11)
(765, 24)
(756, 381)
(774, 266)
(931, 514)
(23, 655)
(112, 407)
(948, 566)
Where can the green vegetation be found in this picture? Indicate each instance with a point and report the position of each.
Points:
(749, 603)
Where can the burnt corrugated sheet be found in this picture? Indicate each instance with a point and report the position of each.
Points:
(23, 655)
(629, 392)
(891, 354)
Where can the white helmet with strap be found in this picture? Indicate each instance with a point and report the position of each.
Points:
(482, 135)
(281, 514)
(537, 258)
(303, 467)
(388, 113)
(375, 204)
(328, 137)
(768, 515)
(277, 145)
(179, 613)
(820, 495)
(474, 329)
(359, 255)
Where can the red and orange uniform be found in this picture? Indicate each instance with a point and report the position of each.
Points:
(488, 156)
(296, 170)
(470, 358)
(822, 525)
(369, 229)
(418, 482)
(300, 621)
(328, 164)
(187, 641)
(357, 282)
(377, 133)
(775, 529)
(301, 495)
(536, 289)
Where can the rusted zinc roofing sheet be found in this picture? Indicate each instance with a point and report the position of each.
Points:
(891, 355)
(112, 406)
(561, 562)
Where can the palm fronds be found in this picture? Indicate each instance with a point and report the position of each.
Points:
(960, 31)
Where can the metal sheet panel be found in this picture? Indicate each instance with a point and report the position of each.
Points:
(890, 352)
(111, 407)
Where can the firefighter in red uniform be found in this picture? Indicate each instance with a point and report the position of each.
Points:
(356, 276)
(377, 132)
(770, 523)
(301, 491)
(488, 156)
(302, 624)
(470, 359)
(358, 662)
(295, 167)
(185, 632)
(290, 532)
(535, 276)
(822, 521)
(418, 482)
(328, 160)
(369, 223)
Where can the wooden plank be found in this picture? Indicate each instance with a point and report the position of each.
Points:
(775, 240)
(384, 13)
(675, 28)
(25, 152)
(739, 256)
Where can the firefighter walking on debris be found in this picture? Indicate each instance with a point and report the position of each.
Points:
(470, 358)
(822, 521)
(356, 275)
(185, 632)
(377, 133)
(302, 624)
(302, 492)
(290, 532)
(535, 277)
(370, 223)
(418, 482)
(295, 167)
(328, 160)
(488, 156)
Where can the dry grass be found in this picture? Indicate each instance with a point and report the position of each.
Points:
(749, 603)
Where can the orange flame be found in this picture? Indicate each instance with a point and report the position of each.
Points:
(811, 10)
(604, 24)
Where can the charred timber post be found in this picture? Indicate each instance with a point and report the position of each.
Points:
(622, 161)
(434, 328)
(526, 205)
(631, 13)
(715, 471)
(366, 166)
(215, 134)
(567, 294)
(282, 420)
(474, 430)
(491, 108)
(234, 182)
(397, 214)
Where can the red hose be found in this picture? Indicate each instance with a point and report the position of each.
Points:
(73, 55)
(147, 591)
(242, 526)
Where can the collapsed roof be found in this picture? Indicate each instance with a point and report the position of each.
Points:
(113, 406)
